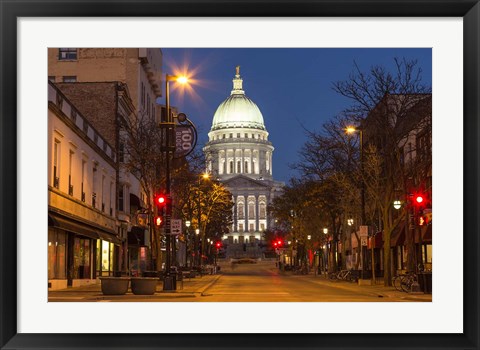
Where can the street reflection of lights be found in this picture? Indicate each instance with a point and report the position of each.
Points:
(397, 204)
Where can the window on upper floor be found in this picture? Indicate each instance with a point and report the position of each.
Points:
(70, 166)
(56, 164)
(69, 79)
(84, 170)
(67, 53)
(121, 199)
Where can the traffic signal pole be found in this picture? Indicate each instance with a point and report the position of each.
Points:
(168, 280)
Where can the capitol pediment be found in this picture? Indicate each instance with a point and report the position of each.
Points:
(244, 181)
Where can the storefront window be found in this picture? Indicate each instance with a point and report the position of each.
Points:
(56, 254)
(81, 258)
(105, 255)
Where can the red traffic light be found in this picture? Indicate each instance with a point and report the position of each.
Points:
(218, 244)
(419, 199)
(158, 221)
(160, 200)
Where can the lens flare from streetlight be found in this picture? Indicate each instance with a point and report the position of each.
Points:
(350, 129)
(182, 79)
(180, 92)
(206, 176)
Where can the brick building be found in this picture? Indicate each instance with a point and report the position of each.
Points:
(105, 85)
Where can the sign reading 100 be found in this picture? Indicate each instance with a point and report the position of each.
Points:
(184, 140)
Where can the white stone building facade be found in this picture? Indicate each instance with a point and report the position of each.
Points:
(239, 154)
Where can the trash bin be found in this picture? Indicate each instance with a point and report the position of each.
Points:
(425, 282)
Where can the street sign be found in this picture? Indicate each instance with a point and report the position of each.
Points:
(364, 241)
(363, 231)
(176, 227)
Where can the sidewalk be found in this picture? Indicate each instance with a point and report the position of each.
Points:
(378, 290)
(192, 287)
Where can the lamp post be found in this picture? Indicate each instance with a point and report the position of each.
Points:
(187, 224)
(168, 126)
(197, 233)
(351, 130)
(325, 232)
(204, 176)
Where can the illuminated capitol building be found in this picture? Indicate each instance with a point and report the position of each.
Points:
(239, 154)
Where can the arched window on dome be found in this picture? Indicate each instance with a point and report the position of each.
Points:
(231, 167)
(239, 167)
(246, 167)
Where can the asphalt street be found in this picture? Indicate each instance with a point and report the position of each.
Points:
(259, 282)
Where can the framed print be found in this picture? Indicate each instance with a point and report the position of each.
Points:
(444, 39)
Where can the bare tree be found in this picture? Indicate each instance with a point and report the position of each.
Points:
(383, 103)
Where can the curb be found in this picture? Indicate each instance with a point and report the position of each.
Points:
(205, 288)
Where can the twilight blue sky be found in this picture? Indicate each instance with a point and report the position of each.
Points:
(290, 86)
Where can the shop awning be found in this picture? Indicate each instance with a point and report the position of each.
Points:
(109, 237)
(81, 228)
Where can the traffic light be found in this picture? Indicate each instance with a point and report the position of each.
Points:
(421, 221)
(160, 200)
(277, 243)
(218, 245)
(419, 199)
(158, 221)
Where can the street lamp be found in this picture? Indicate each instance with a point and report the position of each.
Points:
(187, 224)
(397, 204)
(204, 176)
(169, 126)
(197, 233)
(352, 130)
(325, 232)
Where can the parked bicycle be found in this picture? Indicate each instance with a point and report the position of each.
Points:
(301, 271)
(403, 283)
(342, 275)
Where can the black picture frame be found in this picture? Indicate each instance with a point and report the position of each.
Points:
(12, 10)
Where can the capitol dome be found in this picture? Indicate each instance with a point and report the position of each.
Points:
(238, 111)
